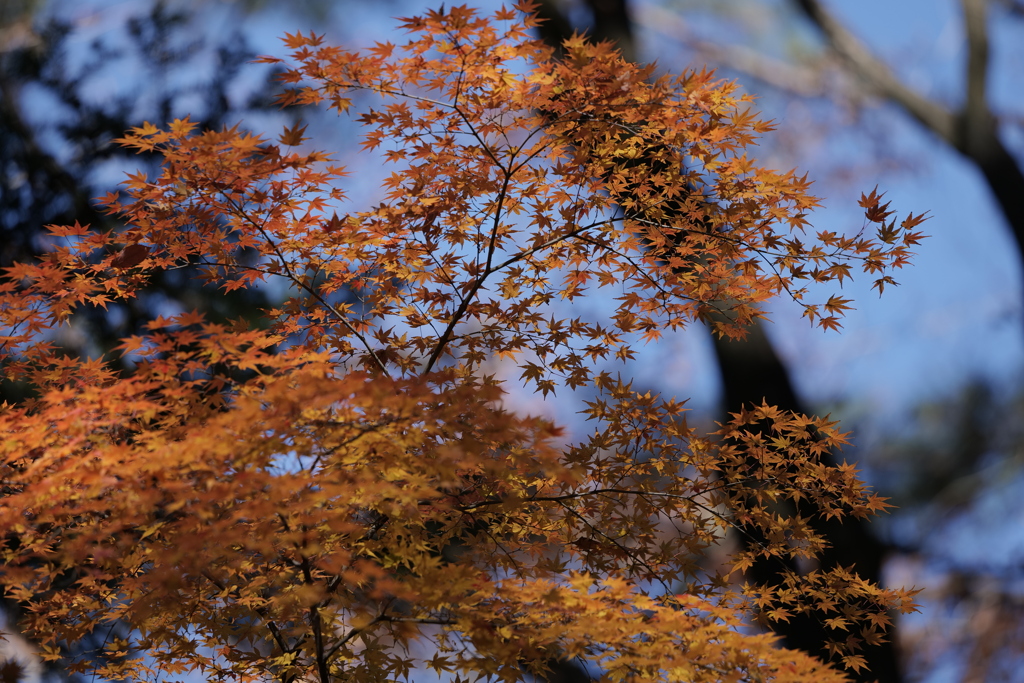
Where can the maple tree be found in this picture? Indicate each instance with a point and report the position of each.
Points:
(339, 494)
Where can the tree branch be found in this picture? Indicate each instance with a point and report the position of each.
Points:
(316, 624)
(977, 119)
(877, 75)
(776, 73)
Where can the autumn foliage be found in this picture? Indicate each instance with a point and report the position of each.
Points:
(336, 493)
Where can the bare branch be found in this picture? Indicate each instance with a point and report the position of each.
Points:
(878, 76)
(972, 131)
(774, 72)
(977, 119)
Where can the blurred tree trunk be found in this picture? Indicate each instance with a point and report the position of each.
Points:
(752, 372)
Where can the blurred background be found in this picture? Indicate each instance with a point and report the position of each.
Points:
(923, 98)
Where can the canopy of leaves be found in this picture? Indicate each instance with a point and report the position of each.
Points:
(315, 498)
